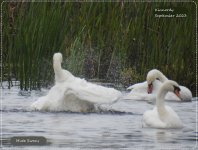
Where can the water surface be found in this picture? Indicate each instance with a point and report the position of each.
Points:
(119, 126)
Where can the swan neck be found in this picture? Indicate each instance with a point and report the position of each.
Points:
(59, 74)
(57, 67)
(162, 77)
(160, 100)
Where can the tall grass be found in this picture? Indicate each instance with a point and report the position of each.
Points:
(98, 40)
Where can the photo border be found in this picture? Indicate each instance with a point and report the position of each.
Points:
(141, 1)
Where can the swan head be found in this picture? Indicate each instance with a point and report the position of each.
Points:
(171, 86)
(58, 57)
(153, 75)
(186, 94)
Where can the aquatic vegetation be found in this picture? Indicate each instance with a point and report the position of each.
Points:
(98, 40)
(130, 76)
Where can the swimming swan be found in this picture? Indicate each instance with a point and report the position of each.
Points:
(163, 116)
(74, 94)
(147, 90)
(185, 93)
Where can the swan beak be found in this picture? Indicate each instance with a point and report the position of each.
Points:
(177, 93)
(150, 88)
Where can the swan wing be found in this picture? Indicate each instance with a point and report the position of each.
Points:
(172, 119)
(75, 103)
(94, 93)
(139, 87)
(151, 119)
(130, 87)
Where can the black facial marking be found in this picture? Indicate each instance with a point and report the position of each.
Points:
(157, 79)
(150, 88)
(176, 88)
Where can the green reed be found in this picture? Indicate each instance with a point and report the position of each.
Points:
(97, 40)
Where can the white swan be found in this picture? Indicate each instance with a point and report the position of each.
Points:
(71, 93)
(147, 90)
(185, 93)
(163, 116)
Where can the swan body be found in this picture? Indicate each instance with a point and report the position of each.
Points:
(163, 116)
(62, 98)
(74, 94)
(156, 78)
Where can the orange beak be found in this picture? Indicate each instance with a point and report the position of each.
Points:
(150, 88)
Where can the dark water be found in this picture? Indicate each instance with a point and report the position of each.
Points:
(119, 126)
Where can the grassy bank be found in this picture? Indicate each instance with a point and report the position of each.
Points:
(118, 42)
